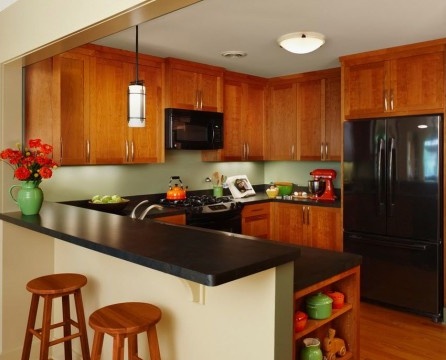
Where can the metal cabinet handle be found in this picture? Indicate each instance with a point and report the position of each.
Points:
(133, 151)
(247, 151)
(326, 151)
(385, 100)
(292, 152)
(61, 151)
(322, 151)
(391, 99)
(126, 151)
(88, 151)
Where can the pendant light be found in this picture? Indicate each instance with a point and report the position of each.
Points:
(137, 98)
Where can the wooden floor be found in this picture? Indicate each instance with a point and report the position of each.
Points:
(394, 335)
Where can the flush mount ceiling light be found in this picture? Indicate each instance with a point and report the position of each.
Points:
(137, 98)
(302, 42)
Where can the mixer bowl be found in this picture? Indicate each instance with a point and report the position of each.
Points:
(316, 187)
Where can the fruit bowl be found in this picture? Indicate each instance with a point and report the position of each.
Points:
(110, 207)
(272, 192)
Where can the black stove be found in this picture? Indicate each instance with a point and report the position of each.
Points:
(206, 211)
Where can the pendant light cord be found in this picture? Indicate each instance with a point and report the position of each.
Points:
(137, 54)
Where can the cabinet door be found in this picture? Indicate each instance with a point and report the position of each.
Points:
(233, 113)
(109, 85)
(41, 107)
(324, 229)
(281, 130)
(310, 119)
(333, 124)
(146, 145)
(417, 83)
(253, 126)
(72, 71)
(256, 220)
(210, 92)
(288, 223)
(365, 89)
(184, 89)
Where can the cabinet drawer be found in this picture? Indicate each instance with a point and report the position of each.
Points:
(256, 209)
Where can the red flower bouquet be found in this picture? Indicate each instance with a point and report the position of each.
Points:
(31, 164)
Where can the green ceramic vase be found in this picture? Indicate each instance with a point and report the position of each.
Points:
(29, 197)
(311, 349)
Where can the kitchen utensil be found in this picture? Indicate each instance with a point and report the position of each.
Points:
(176, 192)
(272, 192)
(300, 320)
(316, 187)
(338, 299)
(285, 188)
(319, 306)
(326, 175)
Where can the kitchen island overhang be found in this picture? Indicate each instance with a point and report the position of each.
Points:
(203, 256)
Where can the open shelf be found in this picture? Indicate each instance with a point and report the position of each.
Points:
(314, 324)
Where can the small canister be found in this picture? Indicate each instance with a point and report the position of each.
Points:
(319, 306)
(338, 299)
(300, 321)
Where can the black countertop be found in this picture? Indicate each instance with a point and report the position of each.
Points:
(204, 256)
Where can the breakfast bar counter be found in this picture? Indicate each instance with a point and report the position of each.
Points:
(222, 295)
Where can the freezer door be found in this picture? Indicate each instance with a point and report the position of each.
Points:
(413, 177)
(364, 176)
(400, 273)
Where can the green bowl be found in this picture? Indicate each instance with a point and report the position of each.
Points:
(285, 188)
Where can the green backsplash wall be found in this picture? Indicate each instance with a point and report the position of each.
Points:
(298, 172)
(82, 182)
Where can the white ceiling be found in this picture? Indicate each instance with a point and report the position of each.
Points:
(202, 31)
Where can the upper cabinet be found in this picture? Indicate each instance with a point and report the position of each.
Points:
(82, 106)
(398, 81)
(193, 86)
(244, 117)
(304, 118)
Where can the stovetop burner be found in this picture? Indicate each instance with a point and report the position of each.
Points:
(196, 200)
(204, 204)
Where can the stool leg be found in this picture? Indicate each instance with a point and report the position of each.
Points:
(46, 327)
(153, 344)
(133, 347)
(81, 323)
(66, 325)
(118, 347)
(26, 352)
(96, 349)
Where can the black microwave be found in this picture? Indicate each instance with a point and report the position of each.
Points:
(193, 129)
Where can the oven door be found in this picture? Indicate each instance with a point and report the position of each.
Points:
(230, 221)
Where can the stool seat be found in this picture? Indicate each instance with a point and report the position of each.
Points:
(50, 287)
(125, 320)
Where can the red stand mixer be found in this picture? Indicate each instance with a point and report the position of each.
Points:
(322, 186)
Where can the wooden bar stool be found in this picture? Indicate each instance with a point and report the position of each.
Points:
(49, 288)
(125, 320)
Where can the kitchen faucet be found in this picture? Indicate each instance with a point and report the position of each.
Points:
(146, 211)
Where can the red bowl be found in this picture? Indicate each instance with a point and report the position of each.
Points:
(300, 320)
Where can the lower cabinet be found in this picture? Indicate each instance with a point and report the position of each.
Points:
(345, 321)
(307, 225)
(256, 220)
(173, 219)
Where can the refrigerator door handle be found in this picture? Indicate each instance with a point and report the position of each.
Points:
(381, 180)
(390, 244)
(392, 175)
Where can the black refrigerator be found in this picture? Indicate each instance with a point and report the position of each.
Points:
(392, 213)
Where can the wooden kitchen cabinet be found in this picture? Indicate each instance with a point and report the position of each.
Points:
(398, 81)
(57, 105)
(308, 107)
(345, 320)
(307, 225)
(79, 99)
(173, 219)
(244, 118)
(281, 129)
(111, 75)
(256, 220)
(194, 86)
